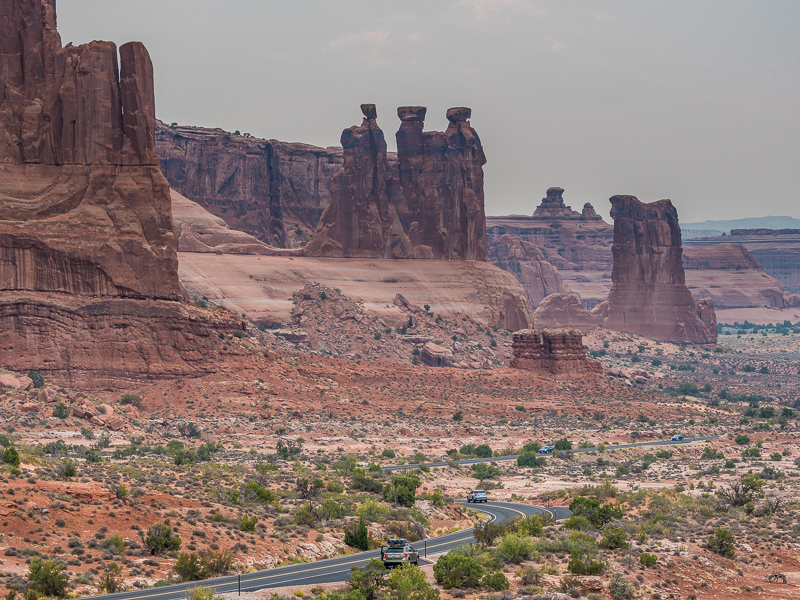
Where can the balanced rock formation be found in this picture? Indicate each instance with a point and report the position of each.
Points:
(556, 351)
(527, 263)
(566, 310)
(86, 240)
(429, 205)
(648, 294)
(359, 221)
(272, 190)
(553, 207)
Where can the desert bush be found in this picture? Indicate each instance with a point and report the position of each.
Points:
(115, 543)
(495, 581)
(529, 575)
(530, 459)
(742, 439)
(131, 399)
(47, 577)
(248, 523)
(202, 592)
(253, 492)
(359, 538)
(723, 543)
(188, 567)
(368, 580)
(599, 515)
(485, 471)
(744, 490)
(36, 377)
(11, 456)
(402, 490)
(581, 562)
(578, 523)
(61, 410)
(111, 581)
(619, 588)
(614, 537)
(648, 560)
(487, 532)
(159, 538)
(408, 582)
(532, 525)
(562, 444)
(454, 571)
(513, 548)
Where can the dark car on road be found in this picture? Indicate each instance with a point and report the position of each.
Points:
(546, 450)
(399, 552)
(677, 438)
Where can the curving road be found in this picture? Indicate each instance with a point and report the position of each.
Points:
(333, 569)
(609, 448)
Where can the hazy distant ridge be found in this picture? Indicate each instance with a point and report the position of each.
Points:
(712, 228)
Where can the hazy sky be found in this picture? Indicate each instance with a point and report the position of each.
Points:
(697, 101)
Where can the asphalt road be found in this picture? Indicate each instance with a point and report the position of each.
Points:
(333, 569)
(609, 448)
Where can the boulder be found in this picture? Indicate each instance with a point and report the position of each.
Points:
(554, 351)
(435, 355)
(16, 383)
(648, 294)
(29, 407)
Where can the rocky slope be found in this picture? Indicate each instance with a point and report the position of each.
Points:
(88, 263)
(272, 190)
(648, 294)
(262, 286)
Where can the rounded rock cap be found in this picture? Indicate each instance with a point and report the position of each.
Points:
(369, 110)
(411, 113)
(458, 114)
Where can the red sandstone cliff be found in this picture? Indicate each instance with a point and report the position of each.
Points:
(648, 295)
(88, 263)
(275, 191)
(527, 263)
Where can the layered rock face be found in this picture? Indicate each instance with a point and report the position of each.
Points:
(556, 351)
(566, 310)
(553, 207)
(272, 190)
(429, 205)
(731, 277)
(648, 294)
(85, 223)
(527, 263)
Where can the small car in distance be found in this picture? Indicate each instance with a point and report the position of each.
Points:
(546, 450)
(399, 552)
(477, 496)
(676, 438)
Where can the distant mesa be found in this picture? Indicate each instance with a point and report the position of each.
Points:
(648, 294)
(552, 351)
(429, 204)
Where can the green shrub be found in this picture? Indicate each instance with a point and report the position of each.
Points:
(454, 571)
(248, 524)
(368, 580)
(515, 549)
(599, 515)
(581, 563)
(485, 471)
(388, 453)
(742, 440)
(61, 410)
(562, 444)
(47, 577)
(36, 377)
(483, 451)
(496, 581)
(723, 543)
(532, 525)
(111, 581)
(648, 561)
(620, 588)
(11, 456)
(159, 538)
(401, 490)
(578, 523)
(131, 399)
(188, 567)
(530, 459)
(114, 543)
(614, 537)
(408, 582)
(201, 592)
(256, 493)
(359, 538)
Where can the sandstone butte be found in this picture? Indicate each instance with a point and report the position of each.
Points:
(89, 290)
(429, 206)
(648, 294)
(554, 351)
